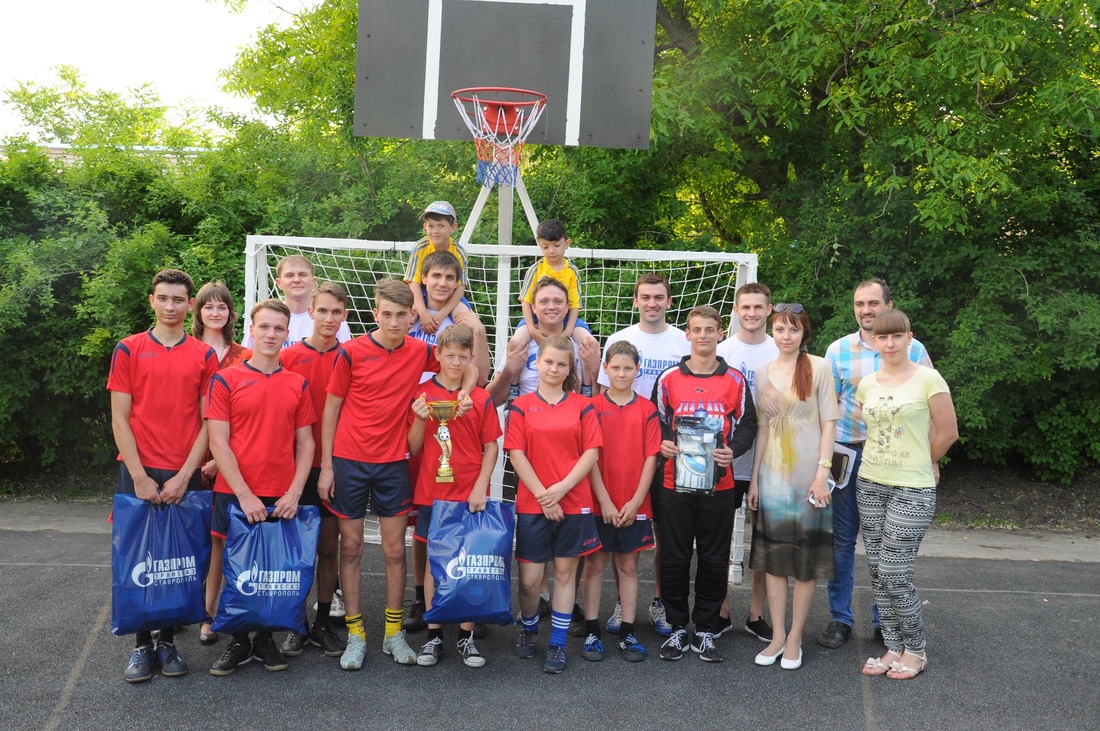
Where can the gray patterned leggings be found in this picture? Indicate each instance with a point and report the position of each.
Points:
(894, 520)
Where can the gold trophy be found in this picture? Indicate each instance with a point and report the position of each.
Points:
(442, 411)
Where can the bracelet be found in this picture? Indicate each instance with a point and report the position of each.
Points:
(826, 463)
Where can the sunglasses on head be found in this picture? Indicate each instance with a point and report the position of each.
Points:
(794, 307)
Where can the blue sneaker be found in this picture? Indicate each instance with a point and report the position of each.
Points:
(525, 644)
(659, 619)
(632, 650)
(593, 649)
(140, 668)
(555, 659)
(615, 623)
(169, 660)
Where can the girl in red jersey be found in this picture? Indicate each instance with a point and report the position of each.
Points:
(553, 439)
(214, 322)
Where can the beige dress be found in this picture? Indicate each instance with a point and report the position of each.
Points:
(790, 536)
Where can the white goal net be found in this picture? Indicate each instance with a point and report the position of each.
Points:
(495, 273)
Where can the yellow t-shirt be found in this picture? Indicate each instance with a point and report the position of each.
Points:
(423, 247)
(897, 451)
(569, 275)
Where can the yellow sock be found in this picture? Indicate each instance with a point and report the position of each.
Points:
(355, 625)
(393, 621)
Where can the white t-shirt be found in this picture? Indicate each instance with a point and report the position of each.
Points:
(301, 327)
(658, 352)
(417, 331)
(747, 359)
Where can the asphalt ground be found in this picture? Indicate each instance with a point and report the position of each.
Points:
(1014, 641)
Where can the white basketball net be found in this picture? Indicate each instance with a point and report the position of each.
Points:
(500, 122)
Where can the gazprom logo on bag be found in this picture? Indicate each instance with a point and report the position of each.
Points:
(177, 570)
(476, 566)
(269, 583)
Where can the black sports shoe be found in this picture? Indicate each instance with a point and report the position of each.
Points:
(414, 617)
(759, 628)
(328, 640)
(264, 650)
(673, 648)
(544, 607)
(878, 635)
(834, 635)
(577, 624)
(725, 624)
(704, 645)
(236, 654)
(293, 644)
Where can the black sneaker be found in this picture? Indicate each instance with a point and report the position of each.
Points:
(525, 644)
(293, 644)
(725, 624)
(430, 653)
(834, 635)
(673, 647)
(577, 627)
(264, 650)
(141, 664)
(236, 654)
(704, 645)
(169, 660)
(328, 640)
(555, 659)
(632, 650)
(544, 608)
(414, 617)
(759, 628)
(593, 649)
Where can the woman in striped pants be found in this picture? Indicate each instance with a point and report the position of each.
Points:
(910, 425)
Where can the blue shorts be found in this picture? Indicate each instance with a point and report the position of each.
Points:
(423, 522)
(384, 488)
(638, 536)
(219, 522)
(125, 484)
(310, 496)
(539, 540)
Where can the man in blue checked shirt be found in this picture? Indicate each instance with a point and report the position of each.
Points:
(852, 357)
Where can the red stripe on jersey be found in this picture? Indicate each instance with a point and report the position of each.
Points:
(631, 433)
(477, 427)
(377, 386)
(165, 385)
(553, 437)
(264, 412)
(316, 367)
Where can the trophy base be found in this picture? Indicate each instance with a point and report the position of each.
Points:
(445, 478)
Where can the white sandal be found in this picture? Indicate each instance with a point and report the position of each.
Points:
(900, 667)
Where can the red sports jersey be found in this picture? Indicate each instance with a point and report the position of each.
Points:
(723, 395)
(377, 386)
(264, 412)
(316, 367)
(165, 385)
(631, 433)
(553, 437)
(478, 426)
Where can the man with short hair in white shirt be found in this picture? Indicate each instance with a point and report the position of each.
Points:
(747, 350)
(661, 346)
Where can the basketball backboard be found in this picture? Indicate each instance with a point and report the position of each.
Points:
(592, 58)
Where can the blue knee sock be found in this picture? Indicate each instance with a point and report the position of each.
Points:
(559, 626)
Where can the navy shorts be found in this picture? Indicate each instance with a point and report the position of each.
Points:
(125, 484)
(310, 496)
(219, 522)
(384, 488)
(539, 540)
(423, 522)
(638, 536)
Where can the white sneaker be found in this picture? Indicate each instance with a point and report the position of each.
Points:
(659, 618)
(615, 621)
(398, 648)
(337, 608)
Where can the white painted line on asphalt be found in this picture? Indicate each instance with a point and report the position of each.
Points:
(78, 669)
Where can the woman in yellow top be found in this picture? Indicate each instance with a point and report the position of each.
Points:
(910, 425)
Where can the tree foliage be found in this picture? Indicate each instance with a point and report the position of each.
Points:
(950, 147)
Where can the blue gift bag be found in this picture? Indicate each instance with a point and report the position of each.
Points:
(268, 572)
(159, 558)
(470, 557)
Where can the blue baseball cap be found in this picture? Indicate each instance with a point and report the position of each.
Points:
(440, 208)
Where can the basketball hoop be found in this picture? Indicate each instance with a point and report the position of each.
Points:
(500, 119)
